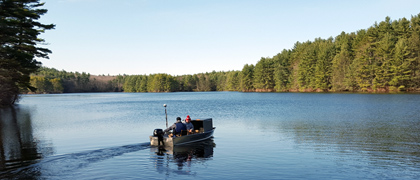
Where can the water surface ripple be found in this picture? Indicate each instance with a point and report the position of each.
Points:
(258, 135)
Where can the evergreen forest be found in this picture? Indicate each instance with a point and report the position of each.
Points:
(381, 58)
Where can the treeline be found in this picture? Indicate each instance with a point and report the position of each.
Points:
(382, 58)
(214, 81)
(50, 80)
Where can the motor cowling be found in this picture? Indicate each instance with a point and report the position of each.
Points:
(157, 132)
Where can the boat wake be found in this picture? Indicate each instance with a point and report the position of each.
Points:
(55, 166)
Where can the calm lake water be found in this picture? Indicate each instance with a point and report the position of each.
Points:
(257, 136)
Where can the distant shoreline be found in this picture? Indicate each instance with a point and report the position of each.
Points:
(384, 58)
(261, 91)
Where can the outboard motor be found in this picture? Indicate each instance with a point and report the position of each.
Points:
(159, 133)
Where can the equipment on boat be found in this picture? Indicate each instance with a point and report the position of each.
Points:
(203, 130)
(164, 105)
(159, 134)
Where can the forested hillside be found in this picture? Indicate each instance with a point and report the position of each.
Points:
(382, 58)
(50, 80)
(385, 57)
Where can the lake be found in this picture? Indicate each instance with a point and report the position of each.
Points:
(257, 136)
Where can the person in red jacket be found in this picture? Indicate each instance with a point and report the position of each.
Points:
(188, 124)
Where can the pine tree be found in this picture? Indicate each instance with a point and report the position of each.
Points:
(232, 80)
(384, 49)
(341, 63)
(414, 46)
(282, 70)
(263, 75)
(323, 68)
(247, 76)
(19, 30)
(400, 65)
(306, 71)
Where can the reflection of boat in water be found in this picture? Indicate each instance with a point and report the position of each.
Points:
(182, 159)
(204, 130)
(202, 149)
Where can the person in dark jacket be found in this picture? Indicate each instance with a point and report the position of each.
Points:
(177, 127)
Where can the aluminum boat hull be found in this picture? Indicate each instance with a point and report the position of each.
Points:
(173, 141)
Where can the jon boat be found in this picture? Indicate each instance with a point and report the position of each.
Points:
(203, 130)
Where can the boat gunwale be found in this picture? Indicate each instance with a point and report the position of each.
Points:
(207, 135)
(204, 133)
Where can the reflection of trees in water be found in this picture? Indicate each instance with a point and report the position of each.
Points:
(18, 147)
(182, 156)
(379, 139)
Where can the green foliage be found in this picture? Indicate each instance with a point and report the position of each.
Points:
(19, 31)
(323, 68)
(282, 70)
(264, 74)
(188, 82)
(247, 77)
(233, 81)
(400, 65)
(47, 85)
(384, 57)
(50, 80)
(204, 83)
(214, 81)
(163, 83)
(341, 63)
(306, 67)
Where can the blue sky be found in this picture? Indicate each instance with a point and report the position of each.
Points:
(180, 37)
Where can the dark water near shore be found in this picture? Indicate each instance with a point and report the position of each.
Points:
(258, 136)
